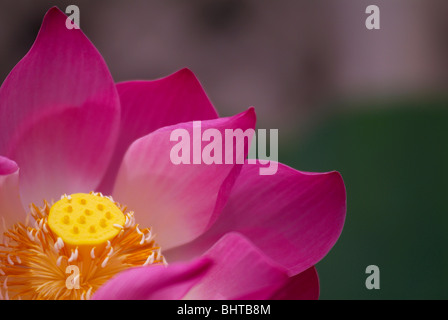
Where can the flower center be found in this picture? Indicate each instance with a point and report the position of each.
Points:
(74, 247)
(85, 219)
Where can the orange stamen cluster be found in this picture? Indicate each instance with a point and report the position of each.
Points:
(36, 262)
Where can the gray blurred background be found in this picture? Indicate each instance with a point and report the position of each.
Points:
(371, 104)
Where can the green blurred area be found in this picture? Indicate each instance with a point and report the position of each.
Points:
(394, 160)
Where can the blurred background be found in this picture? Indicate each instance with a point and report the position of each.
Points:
(371, 104)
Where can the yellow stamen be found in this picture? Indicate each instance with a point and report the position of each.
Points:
(85, 219)
(89, 231)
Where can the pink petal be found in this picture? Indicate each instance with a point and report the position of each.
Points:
(303, 286)
(11, 210)
(7, 166)
(62, 153)
(296, 217)
(149, 105)
(62, 93)
(178, 201)
(154, 282)
(240, 271)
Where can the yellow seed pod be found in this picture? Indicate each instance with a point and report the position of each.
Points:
(85, 219)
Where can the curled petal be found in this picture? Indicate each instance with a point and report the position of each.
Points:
(180, 201)
(7, 166)
(240, 271)
(11, 210)
(303, 286)
(296, 217)
(154, 282)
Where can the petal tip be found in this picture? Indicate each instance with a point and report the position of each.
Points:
(339, 182)
(7, 166)
(54, 13)
(251, 111)
(250, 115)
(185, 71)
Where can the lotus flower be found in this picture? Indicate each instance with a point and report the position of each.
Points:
(70, 136)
